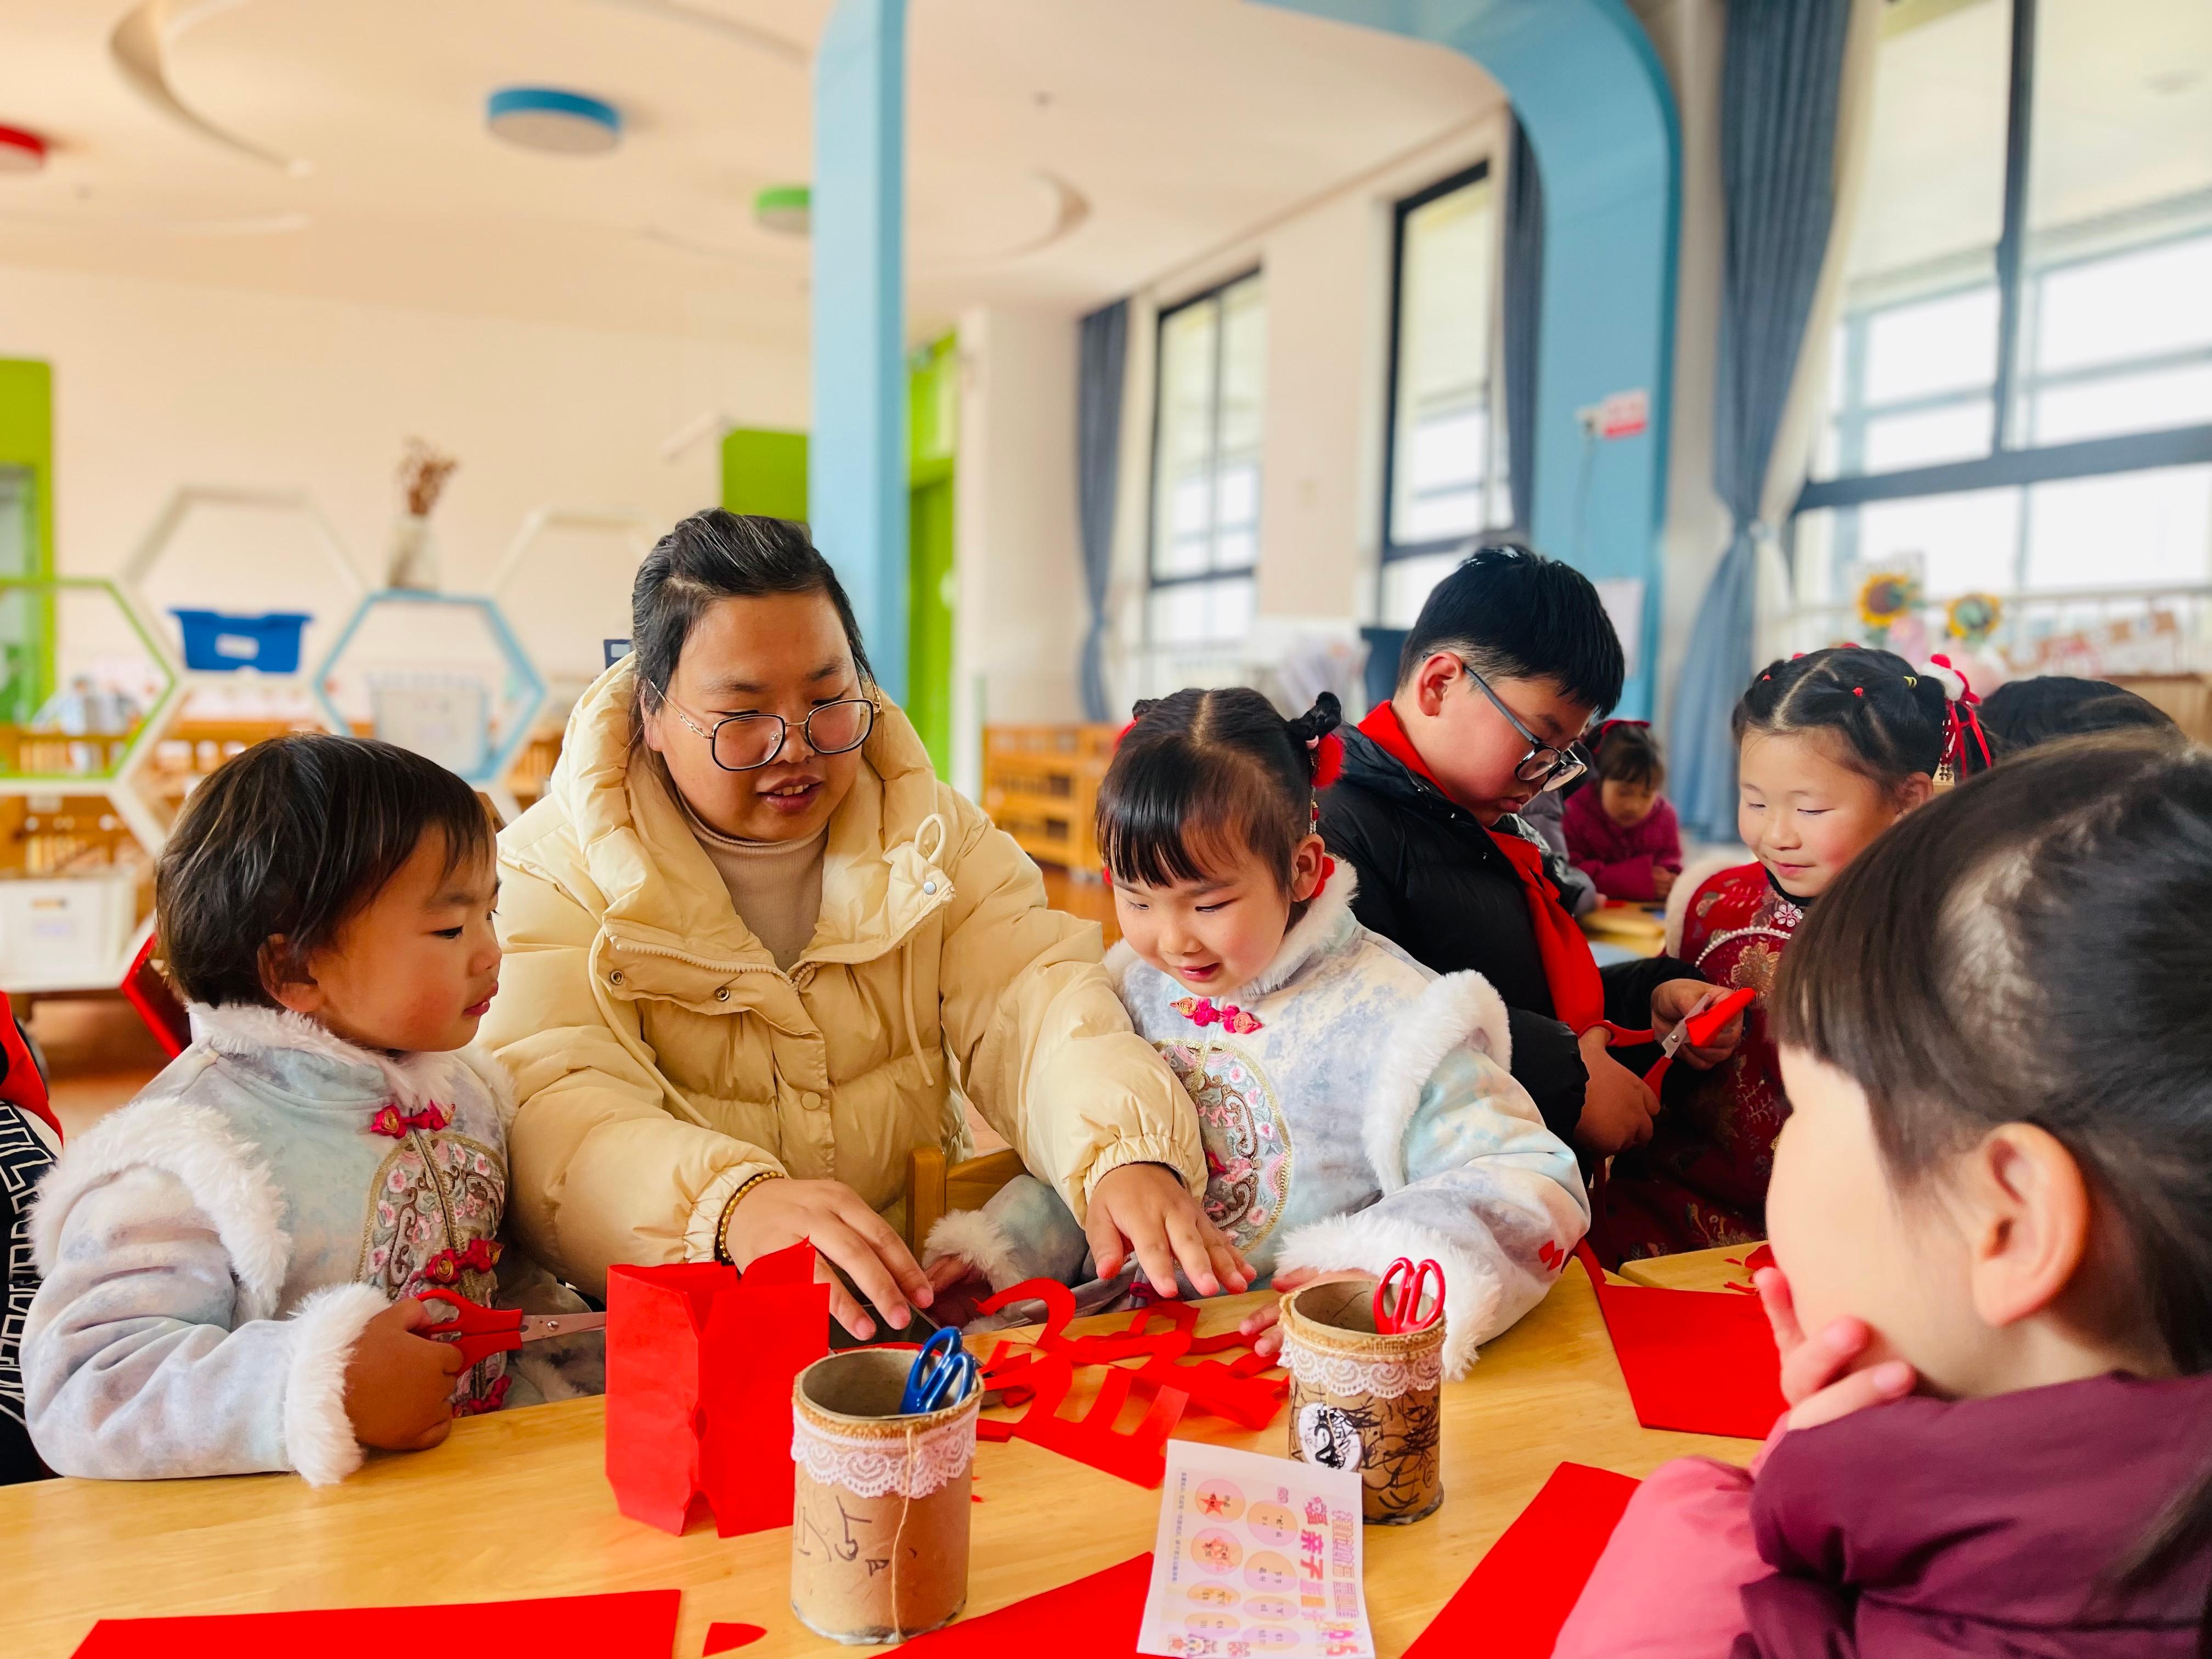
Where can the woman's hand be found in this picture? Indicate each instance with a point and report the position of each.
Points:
(837, 1221)
(1675, 1000)
(1145, 1209)
(399, 1385)
(1817, 1380)
(1264, 1325)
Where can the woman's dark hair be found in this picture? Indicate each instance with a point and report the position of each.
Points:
(2031, 948)
(294, 837)
(1514, 614)
(1206, 771)
(1628, 753)
(1894, 718)
(717, 555)
(2021, 715)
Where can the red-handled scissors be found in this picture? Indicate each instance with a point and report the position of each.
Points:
(1398, 1297)
(480, 1332)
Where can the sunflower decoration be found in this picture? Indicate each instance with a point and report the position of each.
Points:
(1885, 599)
(1972, 617)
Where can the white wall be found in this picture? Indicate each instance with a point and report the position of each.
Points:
(1019, 618)
(158, 385)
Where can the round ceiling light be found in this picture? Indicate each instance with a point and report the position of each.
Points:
(20, 151)
(548, 119)
(788, 210)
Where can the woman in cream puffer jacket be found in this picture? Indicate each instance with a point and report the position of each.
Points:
(666, 1068)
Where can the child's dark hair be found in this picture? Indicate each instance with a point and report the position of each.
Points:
(293, 837)
(2022, 714)
(1208, 771)
(1894, 720)
(2031, 947)
(717, 555)
(1516, 614)
(1628, 753)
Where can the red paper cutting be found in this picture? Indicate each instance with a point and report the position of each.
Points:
(1700, 1361)
(1138, 1456)
(700, 1364)
(634, 1624)
(725, 1638)
(1093, 1618)
(1512, 1605)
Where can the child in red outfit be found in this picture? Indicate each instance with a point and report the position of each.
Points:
(1620, 830)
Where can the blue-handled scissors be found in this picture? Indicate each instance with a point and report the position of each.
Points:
(943, 1375)
(1398, 1298)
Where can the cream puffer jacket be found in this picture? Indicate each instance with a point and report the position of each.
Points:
(660, 1057)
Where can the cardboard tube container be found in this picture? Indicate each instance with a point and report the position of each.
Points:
(879, 1522)
(1365, 1400)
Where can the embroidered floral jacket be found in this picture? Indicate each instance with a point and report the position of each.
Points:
(212, 1251)
(1355, 1107)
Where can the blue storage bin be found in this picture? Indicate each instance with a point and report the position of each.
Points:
(217, 642)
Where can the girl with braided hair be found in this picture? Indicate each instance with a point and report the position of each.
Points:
(1832, 748)
(1355, 1107)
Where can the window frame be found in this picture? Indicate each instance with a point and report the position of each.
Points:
(1390, 549)
(2006, 464)
(1155, 582)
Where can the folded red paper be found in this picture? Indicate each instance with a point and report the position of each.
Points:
(1512, 1605)
(1700, 1361)
(634, 1624)
(1093, 1618)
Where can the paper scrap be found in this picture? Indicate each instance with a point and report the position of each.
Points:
(627, 1625)
(1256, 1556)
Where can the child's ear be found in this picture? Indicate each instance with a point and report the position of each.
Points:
(2030, 1219)
(1916, 791)
(1432, 679)
(1306, 864)
(285, 978)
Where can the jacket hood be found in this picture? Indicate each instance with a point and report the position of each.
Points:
(658, 886)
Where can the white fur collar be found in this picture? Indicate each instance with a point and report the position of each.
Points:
(1325, 913)
(414, 1080)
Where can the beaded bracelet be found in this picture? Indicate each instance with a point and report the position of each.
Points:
(722, 1227)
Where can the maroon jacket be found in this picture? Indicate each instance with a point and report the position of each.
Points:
(1621, 859)
(1979, 1527)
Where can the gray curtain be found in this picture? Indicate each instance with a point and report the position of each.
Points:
(1779, 88)
(1524, 304)
(1098, 480)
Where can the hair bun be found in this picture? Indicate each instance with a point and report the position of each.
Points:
(1318, 722)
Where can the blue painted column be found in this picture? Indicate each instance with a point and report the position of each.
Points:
(856, 486)
(1591, 93)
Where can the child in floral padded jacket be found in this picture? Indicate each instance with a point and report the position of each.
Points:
(234, 1261)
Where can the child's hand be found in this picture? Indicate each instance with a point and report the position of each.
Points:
(1617, 1108)
(1144, 1210)
(1265, 1325)
(1663, 879)
(399, 1386)
(1675, 1000)
(1817, 1378)
(946, 1271)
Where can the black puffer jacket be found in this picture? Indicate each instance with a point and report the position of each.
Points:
(1432, 878)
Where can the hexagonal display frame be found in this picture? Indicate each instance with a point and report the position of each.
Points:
(14, 781)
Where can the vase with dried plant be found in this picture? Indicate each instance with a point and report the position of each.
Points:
(413, 563)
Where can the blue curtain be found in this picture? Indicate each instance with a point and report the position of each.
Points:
(1524, 295)
(1098, 480)
(1779, 89)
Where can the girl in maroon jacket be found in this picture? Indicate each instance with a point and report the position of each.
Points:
(1621, 831)
(1991, 1215)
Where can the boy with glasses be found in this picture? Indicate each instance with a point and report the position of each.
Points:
(1510, 659)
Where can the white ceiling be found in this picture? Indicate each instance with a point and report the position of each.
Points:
(1059, 151)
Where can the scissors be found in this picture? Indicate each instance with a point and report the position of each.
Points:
(943, 1375)
(1398, 1297)
(1703, 1022)
(480, 1332)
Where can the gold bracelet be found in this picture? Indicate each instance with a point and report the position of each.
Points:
(722, 1227)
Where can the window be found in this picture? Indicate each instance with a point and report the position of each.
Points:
(1206, 466)
(1444, 466)
(2022, 376)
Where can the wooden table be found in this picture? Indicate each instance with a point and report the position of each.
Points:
(1694, 1270)
(516, 1504)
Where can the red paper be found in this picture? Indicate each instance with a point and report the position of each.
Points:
(1093, 1618)
(1139, 1455)
(1512, 1605)
(635, 1624)
(1700, 1361)
(700, 1364)
(722, 1638)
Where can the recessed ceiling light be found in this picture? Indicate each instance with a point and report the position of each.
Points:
(788, 210)
(20, 151)
(549, 118)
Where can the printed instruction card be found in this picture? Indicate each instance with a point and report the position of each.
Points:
(1256, 1556)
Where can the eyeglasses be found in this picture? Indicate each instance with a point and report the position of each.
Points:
(744, 743)
(1546, 767)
